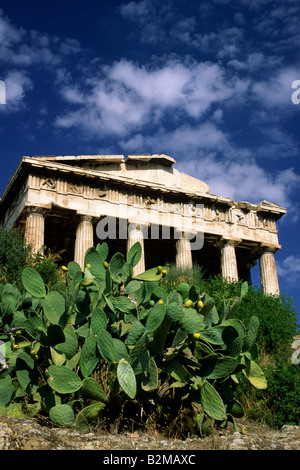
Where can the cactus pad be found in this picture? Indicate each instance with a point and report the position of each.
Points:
(63, 380)
(126, 378)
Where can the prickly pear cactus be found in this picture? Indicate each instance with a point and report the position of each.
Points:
(126, 378)
(63, 380)
(33, 283)
(110, 337)
(62, 415)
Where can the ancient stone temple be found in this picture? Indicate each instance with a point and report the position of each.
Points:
(73, 202)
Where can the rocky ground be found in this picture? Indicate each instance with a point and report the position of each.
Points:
(23, 434)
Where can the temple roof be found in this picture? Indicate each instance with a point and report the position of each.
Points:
(143, 171)
(157, 168)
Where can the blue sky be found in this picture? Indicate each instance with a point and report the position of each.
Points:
(206, 82)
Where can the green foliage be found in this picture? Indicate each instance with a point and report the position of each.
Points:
(277, 315)
(33, 283)
(46, 264)
(283, 397)
(14, 255)
(62, 415)
(176, 276)
(109, 338)
(279, 403)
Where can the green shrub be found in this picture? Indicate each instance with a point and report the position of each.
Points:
(280, 403)
(46, 264)
(277, 315)
(278, 318)
(14, 255)
(283, 397)
(113, 345)
(176, 276)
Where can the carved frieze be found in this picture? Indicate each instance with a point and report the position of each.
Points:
(75, 188)
(214, 213)
(48, 183)
(240, 217)
(101, 192)
(265, 223)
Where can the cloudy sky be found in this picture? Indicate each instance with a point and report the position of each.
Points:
(211, 83)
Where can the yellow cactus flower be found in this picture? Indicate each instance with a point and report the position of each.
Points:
(188, 303)
(15, 347)
(88, 266)
(164, 272)
(197, 335)
(161, 301)
(64, 268)
(200, 304)
(105, 264)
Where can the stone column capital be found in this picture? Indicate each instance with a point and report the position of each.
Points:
(230, 241)
(41, 210)
(268, 249)
(85, 218)
(136, 225)
(223, 242)
(188, 235)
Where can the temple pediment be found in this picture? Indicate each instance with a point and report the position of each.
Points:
(157, 168)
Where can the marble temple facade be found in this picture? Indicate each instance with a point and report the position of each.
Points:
(70, 203)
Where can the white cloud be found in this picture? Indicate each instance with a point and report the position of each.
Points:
(136, 10)
(9, 34)
(126, 96)
(24, 48)
(276, 91)
(17, 85)
(244, 180)
(178, 109)
(207, 152)
(179, 106)
(162, 86)
(289, 269)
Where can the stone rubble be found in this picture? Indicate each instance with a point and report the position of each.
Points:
(26, 434)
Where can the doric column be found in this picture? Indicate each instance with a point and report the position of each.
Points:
(268, 272)
(84, 239)
(229, 268)
(135, 234)
(183, 253)
(35, 228)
